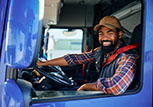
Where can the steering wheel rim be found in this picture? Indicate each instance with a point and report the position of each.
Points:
(60, 81)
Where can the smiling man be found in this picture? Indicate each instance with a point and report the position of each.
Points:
(115, 62)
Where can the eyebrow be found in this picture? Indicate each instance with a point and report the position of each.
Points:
(107, 31)
(110, 30)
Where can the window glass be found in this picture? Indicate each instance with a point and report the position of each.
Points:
(63, 41)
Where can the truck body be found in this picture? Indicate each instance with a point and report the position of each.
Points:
(46, 29)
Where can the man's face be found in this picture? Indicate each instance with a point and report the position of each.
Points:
(108, 38)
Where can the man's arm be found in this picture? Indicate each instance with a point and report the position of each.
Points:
(69, 60)
(122, 78)
(57, 62)
(119, 82)
(89, 87)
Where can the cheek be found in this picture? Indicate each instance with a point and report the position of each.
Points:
(114, 39)
(99, 38)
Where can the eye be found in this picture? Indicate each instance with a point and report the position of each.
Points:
(111, 32)
(100, 33)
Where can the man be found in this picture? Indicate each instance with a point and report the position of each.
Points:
(115, 62)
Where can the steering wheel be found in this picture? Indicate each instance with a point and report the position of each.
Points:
(56, 76)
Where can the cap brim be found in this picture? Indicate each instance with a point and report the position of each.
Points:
(96, 28)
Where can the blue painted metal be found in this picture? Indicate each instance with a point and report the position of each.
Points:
(24, 28)
(2, 46)
(18, 33)
(2, 19)
(12, 95)
(22, 31)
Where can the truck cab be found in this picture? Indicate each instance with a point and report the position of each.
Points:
(47, 29)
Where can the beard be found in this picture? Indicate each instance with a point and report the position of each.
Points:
(110, 48)
(106, 49)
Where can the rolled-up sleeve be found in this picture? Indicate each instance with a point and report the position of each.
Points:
(75, 59)
(121, 79)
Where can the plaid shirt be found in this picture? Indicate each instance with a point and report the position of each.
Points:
(119, 82)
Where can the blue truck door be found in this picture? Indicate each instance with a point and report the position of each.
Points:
(19, 38)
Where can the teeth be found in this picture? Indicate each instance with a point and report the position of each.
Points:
(106, 43)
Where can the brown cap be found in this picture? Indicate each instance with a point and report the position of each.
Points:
(108, 21)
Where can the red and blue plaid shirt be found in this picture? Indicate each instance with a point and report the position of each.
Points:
(120, 81)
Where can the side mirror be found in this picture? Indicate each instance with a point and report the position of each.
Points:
(23, 32)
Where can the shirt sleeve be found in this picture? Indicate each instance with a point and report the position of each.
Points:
(121, 79)
(75, 59)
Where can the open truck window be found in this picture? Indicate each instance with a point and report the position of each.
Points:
(58, 42)
(54, 83)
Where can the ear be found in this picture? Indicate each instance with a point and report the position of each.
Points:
(120, 34)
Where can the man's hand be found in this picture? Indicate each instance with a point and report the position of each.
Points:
(39, 63)
(89, 87)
